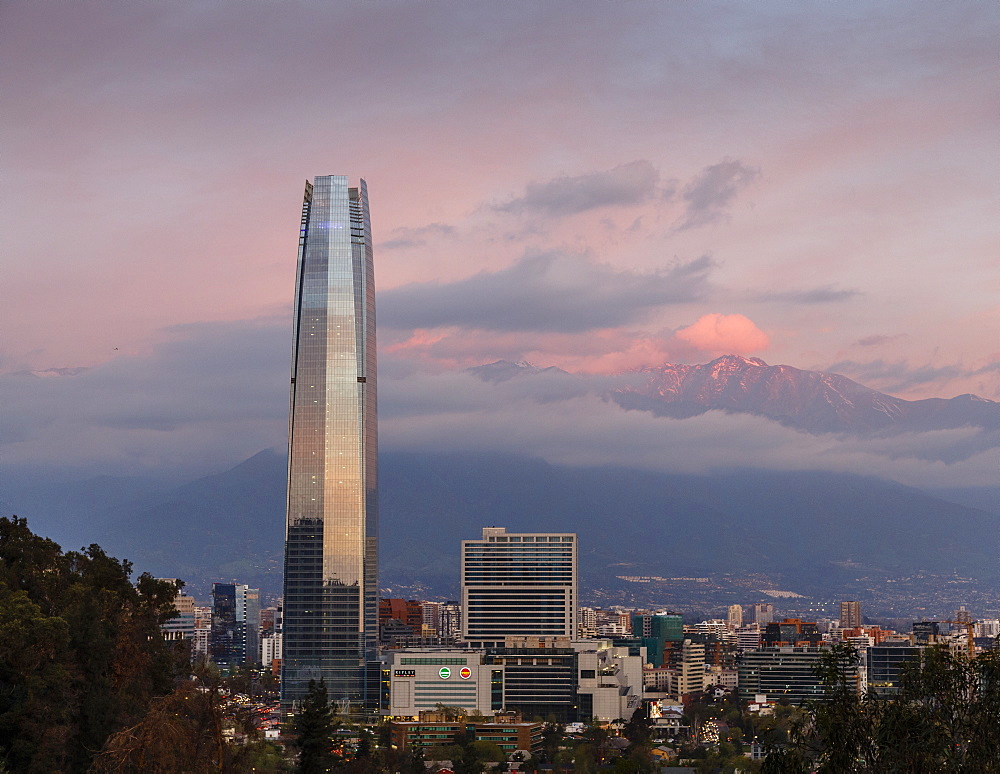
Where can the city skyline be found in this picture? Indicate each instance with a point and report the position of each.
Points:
(330, 611)
(588, 186)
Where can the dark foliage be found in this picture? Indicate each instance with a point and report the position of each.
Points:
(195, 729)
(943, 719)
(82, 655)
(314, 727)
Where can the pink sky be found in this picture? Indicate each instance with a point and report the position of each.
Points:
(814, 184)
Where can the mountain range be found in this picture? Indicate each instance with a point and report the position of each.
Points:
(812, 401)
(812, 530)
(803, 527)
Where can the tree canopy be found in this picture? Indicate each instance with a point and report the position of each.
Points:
(83, 654)
(944, 718)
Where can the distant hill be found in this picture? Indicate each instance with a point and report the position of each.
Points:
(803, 525)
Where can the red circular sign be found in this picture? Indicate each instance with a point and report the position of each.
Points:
(466, 673)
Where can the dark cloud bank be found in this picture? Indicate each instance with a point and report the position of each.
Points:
(548, 292)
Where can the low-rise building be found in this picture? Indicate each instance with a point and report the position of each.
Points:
(543, 677)
(422, 679)
(434, 729)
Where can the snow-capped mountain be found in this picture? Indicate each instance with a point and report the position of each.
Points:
(808, 400)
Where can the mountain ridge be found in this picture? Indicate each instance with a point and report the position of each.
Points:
(812, 401)
(803, 527)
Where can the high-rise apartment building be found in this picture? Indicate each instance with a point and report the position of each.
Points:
(518, 584)
(180, 627)
(201, 644)
(331, 530)
(748, 637)
(248, 621)
(850, 615)
(734, 616)
(762, 613)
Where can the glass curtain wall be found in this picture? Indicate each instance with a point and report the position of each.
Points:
(330, 596)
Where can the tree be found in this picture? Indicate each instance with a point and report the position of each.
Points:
(552, 734)
(194, 729)
(83, 654)
(469, 762)
(413, 761)
(488, 751)
(943, 719)
(314, 727)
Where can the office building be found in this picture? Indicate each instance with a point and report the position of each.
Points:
(235, 627)
(441, 620)
(225, 643)
(784, 674)
(655, 631)
(540, 677)
(610, 683)
(422, 678)
(792, 631)
(734, 616)
(850, 615)
(885, 664)
(926, 632)
(687, 670)
(331, 531)
(518, 584)
(436, 729)
(407, 612)
(543, 677)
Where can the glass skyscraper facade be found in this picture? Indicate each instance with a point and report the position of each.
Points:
(331, 530)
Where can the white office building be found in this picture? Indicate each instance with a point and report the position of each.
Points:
(518, 584)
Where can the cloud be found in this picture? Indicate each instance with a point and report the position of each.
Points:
(414, 237)
(725, 334)
(596, 351)
(603, 351)
(877, 340)
(210, 395)
(709, 195)
(897, 376)
(546, 292)
(627, 184)
(826, 294)
(216, 393)
(569, 422)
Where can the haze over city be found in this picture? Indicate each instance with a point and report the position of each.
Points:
(593, 186)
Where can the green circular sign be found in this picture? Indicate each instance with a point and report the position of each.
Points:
(445, 673)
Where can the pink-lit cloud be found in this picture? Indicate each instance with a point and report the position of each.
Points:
(725, 333)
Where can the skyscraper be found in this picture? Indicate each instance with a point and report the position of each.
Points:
(850, 615)
(518, 584)
(763, 613)
(226, 640)
(331, 529)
